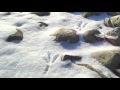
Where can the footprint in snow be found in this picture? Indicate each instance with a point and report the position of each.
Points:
(50, 60)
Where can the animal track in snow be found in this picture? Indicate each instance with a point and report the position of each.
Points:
(81, 25)
(50, 60)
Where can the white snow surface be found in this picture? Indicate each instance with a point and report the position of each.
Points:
(39, 56)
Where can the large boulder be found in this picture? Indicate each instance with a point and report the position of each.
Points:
(41, 13)
(17, 36)
(87, 14)
(113, 21)
(89, 36)
(108, 58)
(66, 35)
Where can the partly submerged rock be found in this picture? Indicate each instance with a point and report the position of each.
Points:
(89, 36)
(41, 13)
(66, 35)
(17, 36)
(108, 58)
(87, 14)
(71, 57)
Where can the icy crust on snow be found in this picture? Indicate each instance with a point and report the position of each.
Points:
(39, 56)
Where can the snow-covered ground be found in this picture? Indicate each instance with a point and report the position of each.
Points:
(39, 56)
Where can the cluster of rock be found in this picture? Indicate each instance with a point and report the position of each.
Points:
(94, 35)
(114, 21)
(90, 36)
(18, 36)
(109, 58)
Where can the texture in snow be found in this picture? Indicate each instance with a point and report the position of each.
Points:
(39, 56)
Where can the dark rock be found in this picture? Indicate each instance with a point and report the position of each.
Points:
(42, 24)
(17, 36)
(41, 13)
(66, 35)
(87, 14)
(113, 13)
(89, 36)
(8, 13)
(74, 39)
(70, 57)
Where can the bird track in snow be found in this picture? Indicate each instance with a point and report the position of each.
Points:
(81, 25)
(50, 60)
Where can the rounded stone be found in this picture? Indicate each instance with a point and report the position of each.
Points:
(66, 35)
(89, 36)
